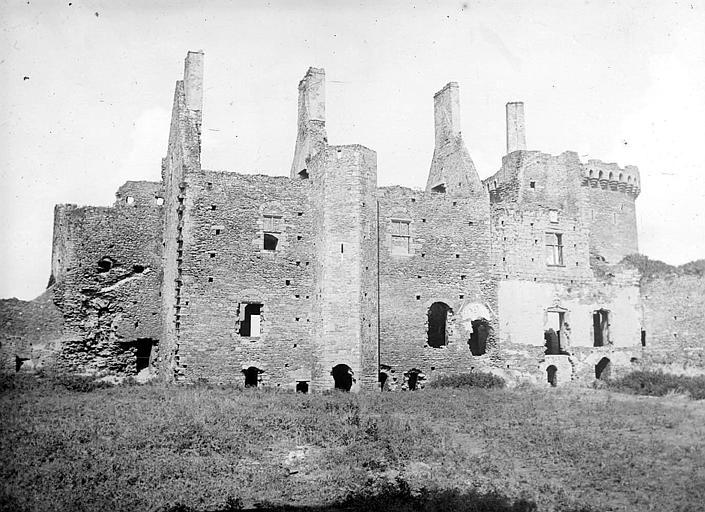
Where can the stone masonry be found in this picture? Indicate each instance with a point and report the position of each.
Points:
(322, 279)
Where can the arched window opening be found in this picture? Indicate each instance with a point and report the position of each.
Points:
(343, 377)
(270, 242)
(600, 175)
(611, 176)
(603, 369)
(621, 176)
(481, 330)
(591, 173)
(601, 328)
(383, 378)
(252, 377)
(105, 264)
(552, 375)
(629, 179)
(438, 324)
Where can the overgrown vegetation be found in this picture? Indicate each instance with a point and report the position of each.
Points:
(483, 380)
(651, 269)
(205, 448)
(656, 383)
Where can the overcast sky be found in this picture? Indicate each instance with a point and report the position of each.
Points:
(87, 89)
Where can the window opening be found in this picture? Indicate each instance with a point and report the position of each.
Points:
(400, 236)
(303, 174)
(478, 338)
(601, 328)
(555, 324)
(130, 200)
(438, 315)
(143, 353)
(138, 269)
(532, 184)
(252, 377)
(302, 385)
(105, 263)
(643, 338)
(554, 249)
(342, 376)
(159, 201)
(413, 378)
(272, 223)
(250, 320)
(439, 188)
(552, 374)
(603, 369)
(270, 242)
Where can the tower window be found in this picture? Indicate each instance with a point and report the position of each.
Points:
(250, 320)
(554, 249)
(400, 236)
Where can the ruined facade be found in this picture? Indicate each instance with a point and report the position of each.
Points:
(322, 279)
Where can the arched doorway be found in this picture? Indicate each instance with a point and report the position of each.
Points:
(251, 377)
(343, 377)
(552, 375)
(603, 369)
(438, 324)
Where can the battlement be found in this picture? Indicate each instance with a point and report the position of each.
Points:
(609, 175)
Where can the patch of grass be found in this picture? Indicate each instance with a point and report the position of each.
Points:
(198, 449)
(469, 380)
(656, 383)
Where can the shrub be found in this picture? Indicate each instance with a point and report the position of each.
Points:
(657, 383)
(469, 380)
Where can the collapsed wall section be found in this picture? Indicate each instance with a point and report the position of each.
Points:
(246, 281)
(109, 265)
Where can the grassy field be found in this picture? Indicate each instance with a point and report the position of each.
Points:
(195, 448)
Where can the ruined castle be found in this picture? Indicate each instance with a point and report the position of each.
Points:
(322, 279)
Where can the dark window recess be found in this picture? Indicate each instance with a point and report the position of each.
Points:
(601, 328)
(532, 184)
(250, 316)
(137, 269)
(552, 335)
(302, 386)
(412, 379)
(105, 264)
(481, 330)
(252, 377)
(270, 242)
(643, 338)
(441, 189)
(603, 369)
(552, 374)
(438, 324)
(342, 376)
(143, 353)
(303, 174)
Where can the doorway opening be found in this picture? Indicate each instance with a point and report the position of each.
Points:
(252, 377)
(601, 328)
(603, 369)
(552, 375)
(438, 315)
(343, 377)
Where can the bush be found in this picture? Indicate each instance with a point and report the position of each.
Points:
(657, 383)
(469, 380)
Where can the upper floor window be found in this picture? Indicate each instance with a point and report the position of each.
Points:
(553, 215)
(272, 223)
(400, 236)
(554, 249)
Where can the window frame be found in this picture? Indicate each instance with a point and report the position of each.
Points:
(403, 234)
(554, 255)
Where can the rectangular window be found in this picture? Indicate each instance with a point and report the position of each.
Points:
(553, 216)
(250, 320)
(554, 249)
(272, 223)
(400, 236)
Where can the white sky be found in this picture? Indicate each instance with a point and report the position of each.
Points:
(619, 81)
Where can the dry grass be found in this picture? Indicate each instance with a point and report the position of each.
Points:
(195, 448)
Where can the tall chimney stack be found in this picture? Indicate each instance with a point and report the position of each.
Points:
(516, 135)
(446, 112)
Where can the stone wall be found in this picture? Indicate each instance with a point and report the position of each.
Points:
(225, 267)
(109, 263)
(447, 261)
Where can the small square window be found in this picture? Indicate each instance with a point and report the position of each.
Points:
(213, 207)
(532, 184)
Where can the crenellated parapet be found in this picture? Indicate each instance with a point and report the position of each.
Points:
(610, 176)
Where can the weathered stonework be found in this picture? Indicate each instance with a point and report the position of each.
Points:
(322, 279)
